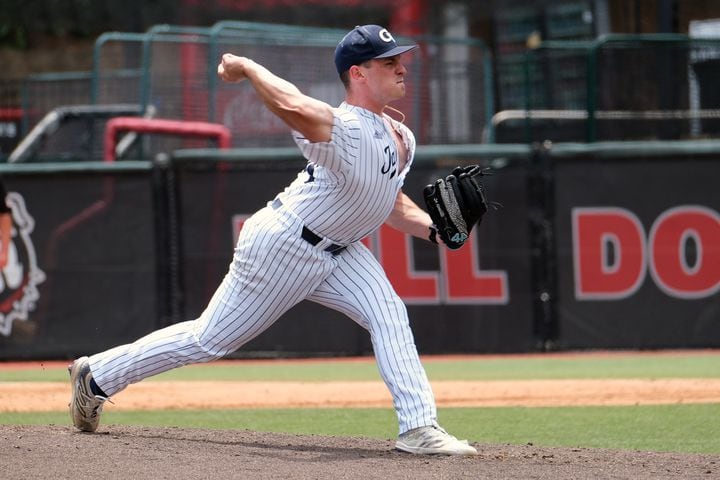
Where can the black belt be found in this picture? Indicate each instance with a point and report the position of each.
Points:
(311, 237)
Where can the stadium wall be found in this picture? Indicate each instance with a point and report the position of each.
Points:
(609, 245)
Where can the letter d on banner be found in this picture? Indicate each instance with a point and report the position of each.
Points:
(609, 253)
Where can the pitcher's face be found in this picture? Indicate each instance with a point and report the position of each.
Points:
(385, 78)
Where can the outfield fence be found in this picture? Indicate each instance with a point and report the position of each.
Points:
(608, 236)
(604, 245)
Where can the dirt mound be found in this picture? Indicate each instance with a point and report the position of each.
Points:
(42, 452)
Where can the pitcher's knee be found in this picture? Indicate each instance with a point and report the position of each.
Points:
(208, 348)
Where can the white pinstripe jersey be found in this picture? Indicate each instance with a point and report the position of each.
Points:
(350, 184)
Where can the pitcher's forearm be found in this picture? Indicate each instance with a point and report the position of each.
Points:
(409, 218)
(311, 117)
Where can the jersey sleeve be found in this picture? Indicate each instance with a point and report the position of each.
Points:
(343, 147)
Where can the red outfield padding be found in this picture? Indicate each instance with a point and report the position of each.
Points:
(151, 125)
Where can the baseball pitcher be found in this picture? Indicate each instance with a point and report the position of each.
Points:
(305, 243)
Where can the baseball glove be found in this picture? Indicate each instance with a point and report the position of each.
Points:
(456, 204)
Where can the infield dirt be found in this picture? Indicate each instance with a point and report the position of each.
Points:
(124, 452)
(127, 452)
(49, 396)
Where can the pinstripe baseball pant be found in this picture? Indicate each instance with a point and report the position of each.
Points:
(273, 269)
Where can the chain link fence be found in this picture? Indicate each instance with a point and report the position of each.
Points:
(172, 70)
(636, 87)
(11, 115)
(618, 87)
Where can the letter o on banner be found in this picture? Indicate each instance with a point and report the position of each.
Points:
(672, 237)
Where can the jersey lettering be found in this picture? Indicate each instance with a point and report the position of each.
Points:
(391, 162)
(310, 169)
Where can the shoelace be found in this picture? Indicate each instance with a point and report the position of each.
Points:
(94, 404)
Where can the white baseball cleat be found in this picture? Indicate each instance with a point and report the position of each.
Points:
(433, 440)
(85, 406)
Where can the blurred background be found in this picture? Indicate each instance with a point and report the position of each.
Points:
(131, 168)
(59, 35)
(563, 61)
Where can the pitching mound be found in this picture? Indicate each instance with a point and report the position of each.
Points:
(121, 452)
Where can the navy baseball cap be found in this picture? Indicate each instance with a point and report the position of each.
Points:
(364, 43)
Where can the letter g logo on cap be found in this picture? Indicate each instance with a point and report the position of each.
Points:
(385, 36)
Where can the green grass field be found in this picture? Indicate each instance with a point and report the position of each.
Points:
(671, 365)
(674, 428)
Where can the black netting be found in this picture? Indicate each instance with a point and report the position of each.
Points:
(44, 93)
(626, 88)
(447, 81)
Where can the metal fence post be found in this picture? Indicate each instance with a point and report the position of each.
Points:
(541, 212)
